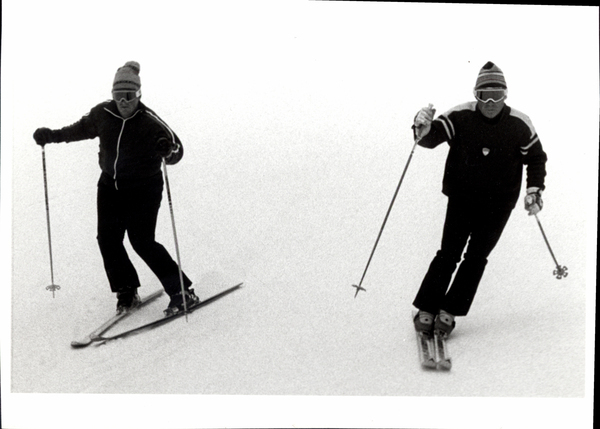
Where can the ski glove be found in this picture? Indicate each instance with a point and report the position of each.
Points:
(533, 201)
(164, 147)
(43, 136)
(422, 122)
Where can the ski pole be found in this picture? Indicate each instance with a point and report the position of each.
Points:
(359, 285)
(175, 238)
(52, 287)
(560, 271)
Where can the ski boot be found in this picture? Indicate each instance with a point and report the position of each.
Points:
(127, 299)
(444, 324)
(176, 303)
(424, 322)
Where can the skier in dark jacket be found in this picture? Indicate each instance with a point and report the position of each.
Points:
(133, 143)
(490, 143)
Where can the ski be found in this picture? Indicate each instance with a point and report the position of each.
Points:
(433, 349)
(87, 340)
(426, 350)
(161, 321)
(442, 356)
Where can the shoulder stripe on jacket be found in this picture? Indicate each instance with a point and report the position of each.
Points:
(447, 123)
(163, 123)
(522, 116)
(533, 137)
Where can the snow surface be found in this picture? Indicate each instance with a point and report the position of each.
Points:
(296, 130)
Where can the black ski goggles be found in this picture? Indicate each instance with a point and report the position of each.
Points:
(127, 96)
(494, 95)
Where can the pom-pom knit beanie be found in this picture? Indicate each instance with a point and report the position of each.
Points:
(490, 76)
(127, 77)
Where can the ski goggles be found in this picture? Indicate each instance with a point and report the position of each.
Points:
(494, 95)
(127, 96)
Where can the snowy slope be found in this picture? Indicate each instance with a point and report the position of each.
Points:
(285, 181)
(295, 327)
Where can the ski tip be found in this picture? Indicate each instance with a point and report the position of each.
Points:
(234, 287)
(77, 344)
(445, 365)
(429, 364)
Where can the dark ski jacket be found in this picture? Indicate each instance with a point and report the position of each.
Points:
(127, 154)
(486, 156)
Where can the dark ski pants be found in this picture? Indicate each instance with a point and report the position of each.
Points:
(481, 223)
(135, 211)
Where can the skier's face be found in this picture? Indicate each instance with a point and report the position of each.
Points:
(126, 108)
(490, 101)
(127, 102)
(490, 109)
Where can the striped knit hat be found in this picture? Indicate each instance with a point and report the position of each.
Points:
(128, 77)
(490, 76)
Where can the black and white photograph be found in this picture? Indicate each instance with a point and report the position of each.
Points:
(334, 214)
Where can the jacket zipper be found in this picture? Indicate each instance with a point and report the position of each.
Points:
(117, 156)
(119, 142)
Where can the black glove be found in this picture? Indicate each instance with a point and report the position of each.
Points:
(164, 147)
(43, 136)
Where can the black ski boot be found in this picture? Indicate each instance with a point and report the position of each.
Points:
(424, 322)
(176, 304)
(127, 300)
(444, 324)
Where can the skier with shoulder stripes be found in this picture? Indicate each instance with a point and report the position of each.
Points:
(489, 145)
(133, 142)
